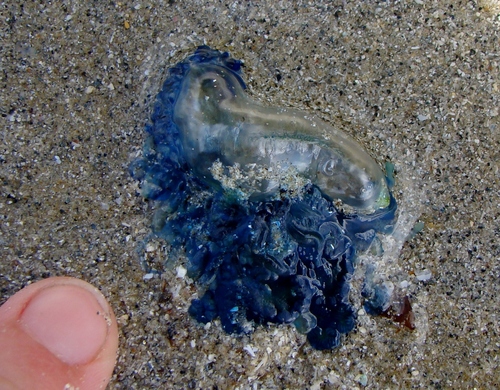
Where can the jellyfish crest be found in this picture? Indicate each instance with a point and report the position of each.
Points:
(218, 122)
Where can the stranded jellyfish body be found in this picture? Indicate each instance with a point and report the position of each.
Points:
(248, 192)
(217, 121)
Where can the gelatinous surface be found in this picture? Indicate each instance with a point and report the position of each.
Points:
(218, 121)
(220, 167)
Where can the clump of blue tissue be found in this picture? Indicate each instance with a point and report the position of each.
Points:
(287, 258)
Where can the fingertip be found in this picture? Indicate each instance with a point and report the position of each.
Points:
(68, 321)
(69, 325)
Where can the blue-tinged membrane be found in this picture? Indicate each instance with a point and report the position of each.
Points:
(265, 253)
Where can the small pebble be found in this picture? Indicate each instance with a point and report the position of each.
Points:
(424, 275)
(181, 272)
(362, 379)
(251, 350)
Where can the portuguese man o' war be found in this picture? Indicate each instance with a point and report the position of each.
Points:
(250, 194)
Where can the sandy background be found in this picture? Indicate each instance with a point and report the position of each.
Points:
(416, 82)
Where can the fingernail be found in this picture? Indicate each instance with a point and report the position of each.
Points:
(70, 321)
